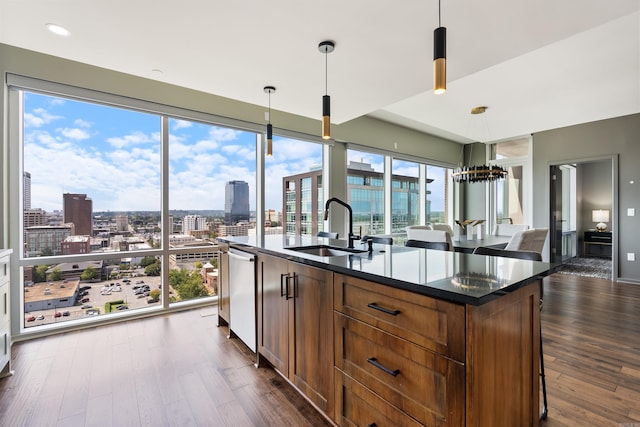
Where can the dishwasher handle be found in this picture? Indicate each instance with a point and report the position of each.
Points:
(247, 258)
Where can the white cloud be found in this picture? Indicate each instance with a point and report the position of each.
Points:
(131, 139)
(180, 124)
(82, 123)
(38, 118)
(223, 134)
(74, 133)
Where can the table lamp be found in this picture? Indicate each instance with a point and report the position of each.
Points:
(601, 216)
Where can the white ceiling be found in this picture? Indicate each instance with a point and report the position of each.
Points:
(537, 65)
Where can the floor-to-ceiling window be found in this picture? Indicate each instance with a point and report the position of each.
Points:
(420, 193)
(116, 205)
(509, 197)
(293, 185)
(405, 195)
(212, 192)
(438, 208)
(365, 191)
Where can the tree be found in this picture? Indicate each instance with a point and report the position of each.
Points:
(148, 260)
(154, 294)
(198, 265)
(153, 269)
(89, 273)
(55, 275)
(178, 277)
(187, 285)
(214, 262)
(192, 287)
(40, 273)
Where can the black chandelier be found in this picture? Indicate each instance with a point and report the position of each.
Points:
(482, 173)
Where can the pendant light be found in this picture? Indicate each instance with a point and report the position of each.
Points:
(269, 90)
(326, 47)
(439, 57)
(478, 173)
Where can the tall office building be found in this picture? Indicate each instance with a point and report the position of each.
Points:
(78, 209)
(303, 204)
(236, 202)
(27, 191)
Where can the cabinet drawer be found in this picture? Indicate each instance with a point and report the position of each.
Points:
(358, 406)
(4, 304)
(427, 386)
(433, 324)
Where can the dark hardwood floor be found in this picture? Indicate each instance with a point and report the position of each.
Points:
(180, 369)
(591, 339)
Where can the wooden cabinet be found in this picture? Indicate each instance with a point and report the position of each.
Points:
(405, 359)
(273, 311)
(295, 325)
(5, 313)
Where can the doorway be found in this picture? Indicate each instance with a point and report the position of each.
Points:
(582, 199)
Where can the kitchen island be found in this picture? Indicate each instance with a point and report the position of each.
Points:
(400, 336)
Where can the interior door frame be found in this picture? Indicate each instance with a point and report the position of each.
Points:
(614, 159)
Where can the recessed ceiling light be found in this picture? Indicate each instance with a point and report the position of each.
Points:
(57, 29)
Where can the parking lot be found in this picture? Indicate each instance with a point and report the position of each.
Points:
(97, 298)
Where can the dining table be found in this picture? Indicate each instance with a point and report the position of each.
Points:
(468, 245)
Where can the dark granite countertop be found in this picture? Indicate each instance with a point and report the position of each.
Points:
(452, 276)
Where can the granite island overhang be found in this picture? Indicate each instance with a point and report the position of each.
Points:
(452, 276)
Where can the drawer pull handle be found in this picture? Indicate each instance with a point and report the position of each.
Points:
(375, 363)
(372, 425)
(383, 309)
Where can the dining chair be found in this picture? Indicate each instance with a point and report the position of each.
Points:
(442, 226)
(329, 234)
(509, 229)
(441, 246)
(528, 240)
(416, 232)
(384, 240)
(486, 250)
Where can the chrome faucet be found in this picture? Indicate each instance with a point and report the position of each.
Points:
(340, 202)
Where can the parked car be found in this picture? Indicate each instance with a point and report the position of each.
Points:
(57, 314)
(86, 306)
(66, 313)
(31, 318)
(40, 317)
(85, 300)
(122, 307)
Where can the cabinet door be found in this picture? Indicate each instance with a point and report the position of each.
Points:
(311, 355)
(273, 311)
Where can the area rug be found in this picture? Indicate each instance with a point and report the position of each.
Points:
(589, 267)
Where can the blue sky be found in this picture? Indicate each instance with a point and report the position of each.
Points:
(113, 155)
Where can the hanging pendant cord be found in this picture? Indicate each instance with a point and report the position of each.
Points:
(326, 72)
(269, 107)
(439, 20)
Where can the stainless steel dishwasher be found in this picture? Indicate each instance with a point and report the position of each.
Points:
(242, 296)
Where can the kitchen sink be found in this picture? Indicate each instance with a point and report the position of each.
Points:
(326, 250)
